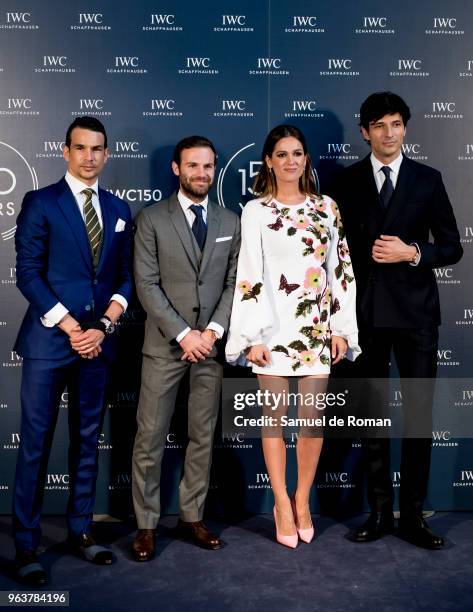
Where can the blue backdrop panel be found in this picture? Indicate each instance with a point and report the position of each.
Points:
(155, 72)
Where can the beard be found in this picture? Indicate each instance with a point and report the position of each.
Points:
(188, 186)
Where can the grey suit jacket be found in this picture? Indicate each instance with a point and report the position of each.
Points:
(176, 286)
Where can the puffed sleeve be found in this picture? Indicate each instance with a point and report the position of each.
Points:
(252, 318)
(342, 285)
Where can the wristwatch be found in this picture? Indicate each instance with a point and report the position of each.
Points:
(415, 260)
(109, 325)
(213, 332)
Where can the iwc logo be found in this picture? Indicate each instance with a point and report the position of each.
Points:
(445, 109)
(467, 317)
(16, 178)
(339, 67)
(335, 480)
(408, 68)
(261, 481)
(465, 479)
(162, 23)
(442, 439)
(468, 156)
(468, 70)
(445, 26)
(304, 24)
(414, 151)
(467, 237)
(339, 150)
(120, 482)
(233, 440)
(233, 23)
(126, 64)
(445, 276)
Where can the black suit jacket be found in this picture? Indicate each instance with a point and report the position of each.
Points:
(398, 295)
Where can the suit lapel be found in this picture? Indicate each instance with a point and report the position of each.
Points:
(399, 197)
(213, 229)
(373, 211)
(108, 226)
(181, 226)
(370, 183)
(69, 208)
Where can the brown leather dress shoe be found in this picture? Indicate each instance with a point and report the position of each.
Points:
(143, 547)
(198, 534)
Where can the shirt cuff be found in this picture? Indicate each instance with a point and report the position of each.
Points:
(217, 328)
(53, 316)
(417, 257)
(120, 299)
(183, 334)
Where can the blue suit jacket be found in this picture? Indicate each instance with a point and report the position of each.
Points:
(54, 264)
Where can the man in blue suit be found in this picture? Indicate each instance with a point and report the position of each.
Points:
(73, 244)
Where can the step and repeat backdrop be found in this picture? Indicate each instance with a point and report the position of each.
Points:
(155, 72)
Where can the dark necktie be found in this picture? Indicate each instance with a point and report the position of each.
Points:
(199, 228)
(94, 231)
(387, 189)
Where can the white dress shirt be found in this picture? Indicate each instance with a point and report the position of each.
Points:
(186, 203)
(380, 177)
(59, 311)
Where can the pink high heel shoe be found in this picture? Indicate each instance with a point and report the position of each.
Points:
(285, 540)
(306, 535)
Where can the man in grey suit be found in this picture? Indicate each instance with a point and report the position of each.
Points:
(186, 251)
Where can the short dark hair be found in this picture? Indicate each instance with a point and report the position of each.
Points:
(86, 123)
(191, 142)
(383, 103)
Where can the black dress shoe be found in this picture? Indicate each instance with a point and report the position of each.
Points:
(416, 531)
(198, 534)
(377, 525)
(87, 547)
(143, 546)
(29, 570)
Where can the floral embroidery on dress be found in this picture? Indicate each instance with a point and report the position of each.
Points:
(316, 292)
(249, 292)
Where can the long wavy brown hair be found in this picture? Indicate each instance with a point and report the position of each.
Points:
(265, 184)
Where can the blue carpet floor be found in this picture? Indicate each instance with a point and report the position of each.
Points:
(253, 573)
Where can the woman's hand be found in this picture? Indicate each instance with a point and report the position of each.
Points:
(259, 355)
(339, 349)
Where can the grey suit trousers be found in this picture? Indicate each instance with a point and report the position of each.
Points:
(160, 378)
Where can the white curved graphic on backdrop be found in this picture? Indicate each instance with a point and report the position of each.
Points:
(10, 232)
(223, 171)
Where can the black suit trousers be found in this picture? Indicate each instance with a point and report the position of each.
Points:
(415, 352)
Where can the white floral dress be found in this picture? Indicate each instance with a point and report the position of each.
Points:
(295, 287)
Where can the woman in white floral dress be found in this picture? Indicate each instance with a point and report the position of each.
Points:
(294, 307)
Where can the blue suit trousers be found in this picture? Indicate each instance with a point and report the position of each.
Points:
(43, 382)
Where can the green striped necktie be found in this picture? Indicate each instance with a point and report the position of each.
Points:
(92, 224)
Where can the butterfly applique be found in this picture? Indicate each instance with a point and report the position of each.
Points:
(284, 285)
(277, 225)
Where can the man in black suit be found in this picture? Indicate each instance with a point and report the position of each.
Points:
(390, 206)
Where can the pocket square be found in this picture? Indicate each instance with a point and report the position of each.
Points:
(223, 238)
(120, 226)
